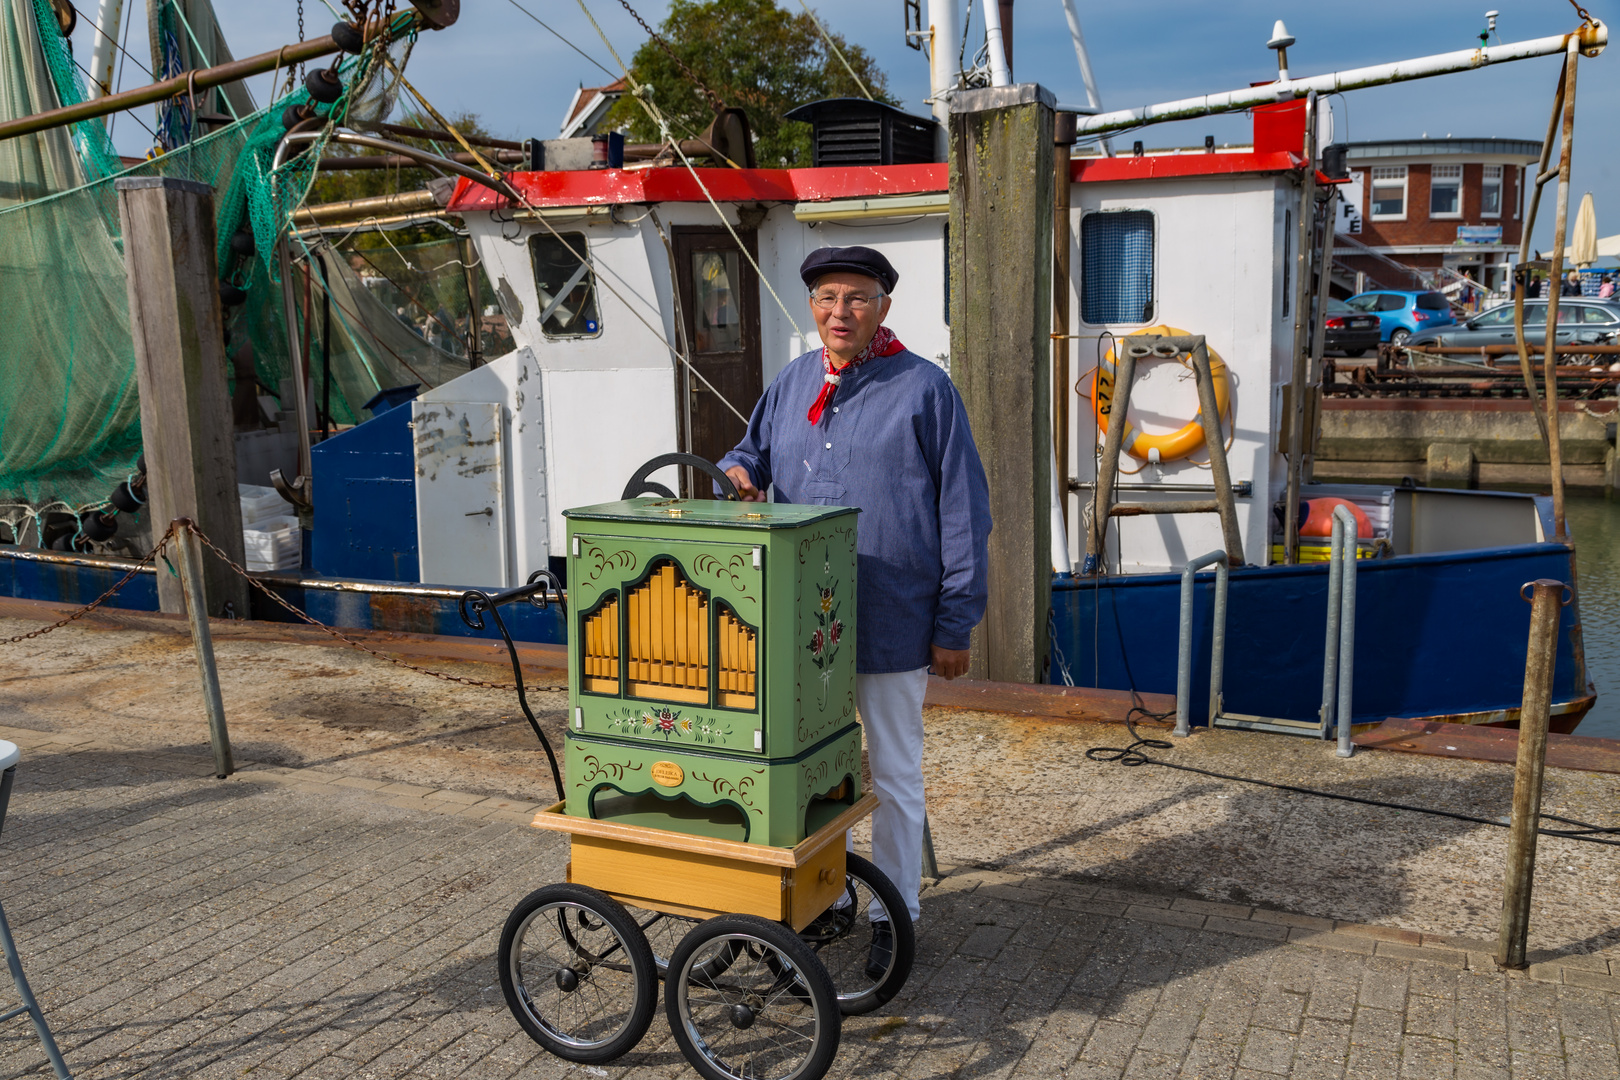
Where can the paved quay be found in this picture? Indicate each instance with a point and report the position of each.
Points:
(313, 923)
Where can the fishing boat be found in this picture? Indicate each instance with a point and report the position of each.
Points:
(650, 303)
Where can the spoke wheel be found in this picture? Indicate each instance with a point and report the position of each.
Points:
(577, 973)
(770, 1014)
(842, 939)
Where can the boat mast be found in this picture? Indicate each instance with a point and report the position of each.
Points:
(1093, 97)
(109, 20)
(1000, 70)
(944, 73)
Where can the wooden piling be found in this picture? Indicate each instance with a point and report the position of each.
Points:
(195, 595)
(1534, 715)
(186, 425)
(1001, 189)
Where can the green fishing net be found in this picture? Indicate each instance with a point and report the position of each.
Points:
(69, 411)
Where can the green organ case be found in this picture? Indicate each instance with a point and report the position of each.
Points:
(711, 667)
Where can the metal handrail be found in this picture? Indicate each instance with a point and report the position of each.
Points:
(1338, 664)
(1217, 651)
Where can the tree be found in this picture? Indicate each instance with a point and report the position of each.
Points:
(754, 56)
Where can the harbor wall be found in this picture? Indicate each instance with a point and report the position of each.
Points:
(1463, 443)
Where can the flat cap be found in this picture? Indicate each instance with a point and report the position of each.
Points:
(850, 260)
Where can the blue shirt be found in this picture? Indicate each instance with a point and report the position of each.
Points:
(894, 442)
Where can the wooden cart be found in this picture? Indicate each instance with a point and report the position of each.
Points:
(769, 956)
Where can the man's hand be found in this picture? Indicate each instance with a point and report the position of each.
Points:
(948, 663)
(746, 491)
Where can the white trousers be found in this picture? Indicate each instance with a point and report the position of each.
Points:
(891, 717)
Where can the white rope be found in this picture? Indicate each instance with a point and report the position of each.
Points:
(833, 45)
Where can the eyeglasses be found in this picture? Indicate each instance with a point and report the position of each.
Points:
(827, 301)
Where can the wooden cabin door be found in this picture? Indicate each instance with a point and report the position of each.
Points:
(719, 293)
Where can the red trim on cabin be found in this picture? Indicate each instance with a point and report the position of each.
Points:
(1171, 166)
(610, 187)
(606, 187)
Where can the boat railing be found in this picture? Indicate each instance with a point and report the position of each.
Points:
(1338, 664)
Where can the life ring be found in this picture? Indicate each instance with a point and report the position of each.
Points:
(1186, 439)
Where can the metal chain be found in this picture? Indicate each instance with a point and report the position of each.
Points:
(300, 35)
(311, 620)
(103, 598)
(1586, 16)
(714, 102)
(163, 542)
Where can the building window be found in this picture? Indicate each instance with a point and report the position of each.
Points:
(1445, 191)
(1389, 193)
(1518, 193)
(566, 286)
(1116, 267)
(1490, 192)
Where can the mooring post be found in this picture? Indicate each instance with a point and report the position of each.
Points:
(189, 551)
(1534, 714)
(186, 428)
(1001, 188)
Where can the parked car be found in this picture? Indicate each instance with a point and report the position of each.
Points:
(1403, 314)
(1582, 321)
(1350, 331)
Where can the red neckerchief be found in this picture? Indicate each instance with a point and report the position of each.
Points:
(883, 343)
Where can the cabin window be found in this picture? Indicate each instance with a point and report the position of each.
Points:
(1490, 192)
(1445, 191)
(1288, 262)
(566, 286)
(1116, 267)
(1389, 192)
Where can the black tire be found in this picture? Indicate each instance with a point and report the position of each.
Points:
(1355, 352)
(1398, 336)
(772, 1014)
(577, 973)
(844, 946)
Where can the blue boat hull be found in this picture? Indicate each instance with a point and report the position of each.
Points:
(1438, 635)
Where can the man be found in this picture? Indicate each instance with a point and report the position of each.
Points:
(863, 422)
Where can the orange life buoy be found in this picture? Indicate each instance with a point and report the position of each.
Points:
(1186, 439)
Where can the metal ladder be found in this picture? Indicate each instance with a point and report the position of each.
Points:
(1338, 662)
(1103, 506)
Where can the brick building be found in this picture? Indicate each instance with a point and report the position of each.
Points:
(1432, 203)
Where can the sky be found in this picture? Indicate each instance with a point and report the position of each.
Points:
(496, 62)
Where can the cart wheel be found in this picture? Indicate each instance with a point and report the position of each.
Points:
(842, 938)
(770, 1014)
(577, 973)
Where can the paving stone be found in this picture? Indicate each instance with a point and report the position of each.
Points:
(298, 923)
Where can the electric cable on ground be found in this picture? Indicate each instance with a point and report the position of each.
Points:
(1135, 754)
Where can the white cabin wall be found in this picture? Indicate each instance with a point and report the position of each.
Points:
(914, 245)
(608, 399)
(510, 381)
(1216, 275)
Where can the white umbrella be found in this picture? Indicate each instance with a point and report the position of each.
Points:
(1584, 239)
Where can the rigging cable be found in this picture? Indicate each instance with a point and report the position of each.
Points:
(584, 259)
(658, 118)
(833, 45)
(713, 99)
(562, 39)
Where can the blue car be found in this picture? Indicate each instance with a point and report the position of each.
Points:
(1402, 314)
